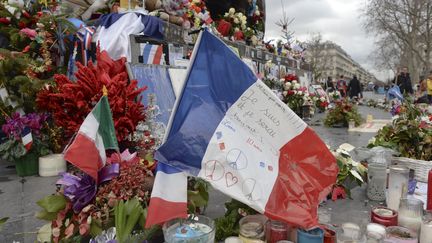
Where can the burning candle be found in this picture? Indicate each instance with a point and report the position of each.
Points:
(384, 216)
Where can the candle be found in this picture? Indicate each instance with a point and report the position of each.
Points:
(384, 216)
(375, 233)
(252, 229)
(311, 236)
(396, 234)
(199, 229)
(426, 229)
(429, 192)
(410, 214)
(377, 176)
(276, 231)
(398, 185)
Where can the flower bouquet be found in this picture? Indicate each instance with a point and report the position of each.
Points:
(410, 133)
(342, 113)
(294, 95)
(321, 103)
(83, 209)
(234, 25)
(351, 174)
(196, 14)
(24, 142)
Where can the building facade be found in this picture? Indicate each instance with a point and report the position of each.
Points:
(334, 62)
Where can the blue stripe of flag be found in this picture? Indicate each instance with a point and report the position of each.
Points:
(146, 53)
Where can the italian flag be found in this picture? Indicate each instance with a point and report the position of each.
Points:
(96, 134)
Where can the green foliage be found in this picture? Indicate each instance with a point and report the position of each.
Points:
(50, 205)
(228, 225)
(408, 135)
(349, 171)
(273, 83)
(342, 113)
(2, 222)
(198, 195)
(126, 216)
(12, 149)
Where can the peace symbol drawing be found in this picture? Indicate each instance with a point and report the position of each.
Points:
(236, 159)
(214, 170)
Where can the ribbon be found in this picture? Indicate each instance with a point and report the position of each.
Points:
(81, 190)
(108, 173)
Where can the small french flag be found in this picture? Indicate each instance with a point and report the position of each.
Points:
(152, 54)
(169, 196)
(27, 138)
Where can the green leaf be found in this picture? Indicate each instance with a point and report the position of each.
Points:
(52, 203)
(95, 228)
(2, 222)
(44, 215)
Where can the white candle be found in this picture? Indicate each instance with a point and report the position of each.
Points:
(410, 220)
(398, 185)
(426, 232)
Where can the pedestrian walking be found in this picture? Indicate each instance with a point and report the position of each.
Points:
(329, 87)
(354, 88)
(341, 86)
(403, 80)
(429, 87)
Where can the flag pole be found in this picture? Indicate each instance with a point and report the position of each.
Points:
(177, 101)
(104, 91)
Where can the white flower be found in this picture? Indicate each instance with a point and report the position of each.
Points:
(231, 10)
(236, 20)
(257, 12)
(236, 29)
(296, 86)
(244, 18)
(240, 15)
(322, 98)
(300, 92)
(243, 26)
(285, 93)
(248, 28)
(226, 14)
(294, 81)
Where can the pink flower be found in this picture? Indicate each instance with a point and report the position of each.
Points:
(69, 231)
(56, 232)
(84, 229)
(30, 33)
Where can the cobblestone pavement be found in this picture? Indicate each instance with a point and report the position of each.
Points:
(18, 195)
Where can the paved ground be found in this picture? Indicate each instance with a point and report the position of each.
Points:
(18, 196)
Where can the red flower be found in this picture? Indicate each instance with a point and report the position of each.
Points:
(224, 27)
(238, 35)
(4, 21)
(26, 14)
(290, 92)
(39, 14)
(338, 192)
(22, 25)
(26, 49)
(290, 77)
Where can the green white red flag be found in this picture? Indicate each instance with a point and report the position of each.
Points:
(96, 134)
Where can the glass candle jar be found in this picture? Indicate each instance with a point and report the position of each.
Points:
(397, 234)
(398, 185)
(410, 214)
(311, 236)
(426, 228)
(196, 229)
(276, 231)
(252, 229)
(384, 216)
(375, 233)
(350, 232)
(377, 176)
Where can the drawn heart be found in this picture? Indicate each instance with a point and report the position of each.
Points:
(230, 179)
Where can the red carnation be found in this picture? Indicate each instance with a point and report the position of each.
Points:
(224, 27)
(4, 21)
(22, 25)
(290, 92)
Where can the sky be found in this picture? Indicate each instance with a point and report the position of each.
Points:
(337, 20)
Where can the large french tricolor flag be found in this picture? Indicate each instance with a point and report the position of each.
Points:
(230, 129)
